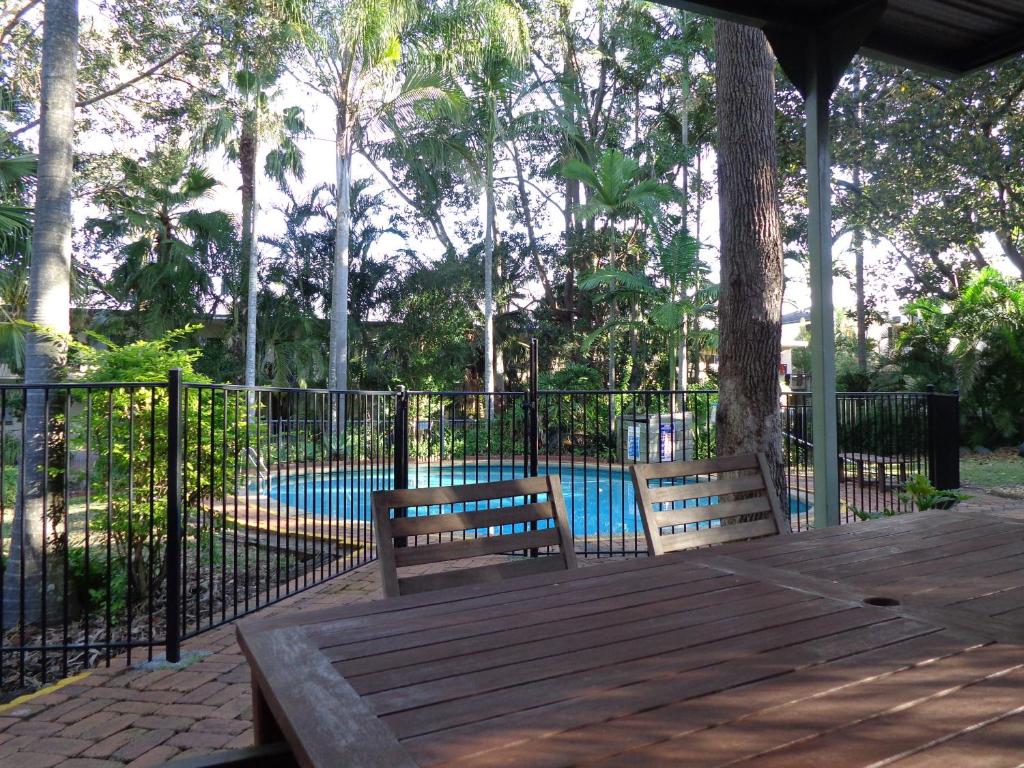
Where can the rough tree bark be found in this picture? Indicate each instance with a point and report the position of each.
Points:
(337, 377)
(247, 151)
(750, 302)
(49, 302)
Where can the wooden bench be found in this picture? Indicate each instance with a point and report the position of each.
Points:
(879, 462)
(689, 508)
(455, 534)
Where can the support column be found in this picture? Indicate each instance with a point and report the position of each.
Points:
(817, 98)
(814, 59)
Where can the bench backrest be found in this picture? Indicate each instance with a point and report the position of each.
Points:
(462, 522)
(680, 510)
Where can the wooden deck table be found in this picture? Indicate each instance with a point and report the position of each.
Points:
(766, 653)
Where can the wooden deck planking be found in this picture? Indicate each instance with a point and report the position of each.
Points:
(559, 603)
(571, 653)
(514, 646)
(706, 645)
(635, 716)
(750, 653)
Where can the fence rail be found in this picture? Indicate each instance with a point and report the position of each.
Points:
(136, 515)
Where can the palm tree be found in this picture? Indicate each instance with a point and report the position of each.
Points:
(676, 300)
(496, 41)
(241, 119)
(360, 57)
(620, 194)
(49, 300)
(15, 244)
(169, 247)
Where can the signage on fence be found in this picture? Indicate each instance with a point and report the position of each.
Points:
(632, 442)
(666, 447)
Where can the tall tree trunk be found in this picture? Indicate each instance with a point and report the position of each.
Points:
(750, 303)
(858, 244)
(338, 346)
(489, 271)
(684, 137)
(862, 320)
(49, 303)
(247, 151)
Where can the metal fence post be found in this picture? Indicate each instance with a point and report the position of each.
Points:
(172, 551)
(533, 413)
(401, 450)
(943, 439)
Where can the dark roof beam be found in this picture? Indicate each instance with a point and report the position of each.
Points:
(835, 41)
(994, 52)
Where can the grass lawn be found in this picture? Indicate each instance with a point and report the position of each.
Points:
(998, 469)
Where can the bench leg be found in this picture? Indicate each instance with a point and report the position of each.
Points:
(264, 725)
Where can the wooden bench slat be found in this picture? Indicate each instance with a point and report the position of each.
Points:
(422, 525)
(457, 494)
(657, 471)
(718, 535)
(484, 545)
(393, 557)
(665, 493)
(525, 566)
(654, 519)
(668, 517)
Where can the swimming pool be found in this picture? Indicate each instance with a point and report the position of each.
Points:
(599, 499)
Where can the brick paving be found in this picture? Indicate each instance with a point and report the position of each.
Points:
(124, 715)
(127, 716)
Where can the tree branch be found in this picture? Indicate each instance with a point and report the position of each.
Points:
(113, 91)
(9, 27)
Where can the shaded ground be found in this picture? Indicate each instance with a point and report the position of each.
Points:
(142, 717)
(1000, 472)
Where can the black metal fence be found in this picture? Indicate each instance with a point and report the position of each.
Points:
(135, 515)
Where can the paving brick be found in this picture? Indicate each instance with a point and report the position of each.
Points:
(85, 708)
(196, 752)
(59, 745)
(156, 756)
(54, 712)
(36, 760)
(202, 693)
(7, 722)
(201, 740)
(90, 762)
(108, 746)
(219, 725)
(240, 709)
(194, 711)
(242, 740)
(149, 679)
(100, 725)
(183, 681)
(140, 745)
(36, 728)
(169, 722)
(134, 707)
(230, 693)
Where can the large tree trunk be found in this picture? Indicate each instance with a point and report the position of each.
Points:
(750, 303)
(338, 352)
(49, 303)
(247, 152)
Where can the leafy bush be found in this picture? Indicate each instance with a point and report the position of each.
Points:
(926, 496)
(125, 429)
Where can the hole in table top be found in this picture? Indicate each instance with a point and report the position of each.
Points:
(881, 601)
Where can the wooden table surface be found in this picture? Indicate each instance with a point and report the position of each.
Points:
(758, 653)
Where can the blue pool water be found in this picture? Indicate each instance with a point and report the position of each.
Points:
(599, 500)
